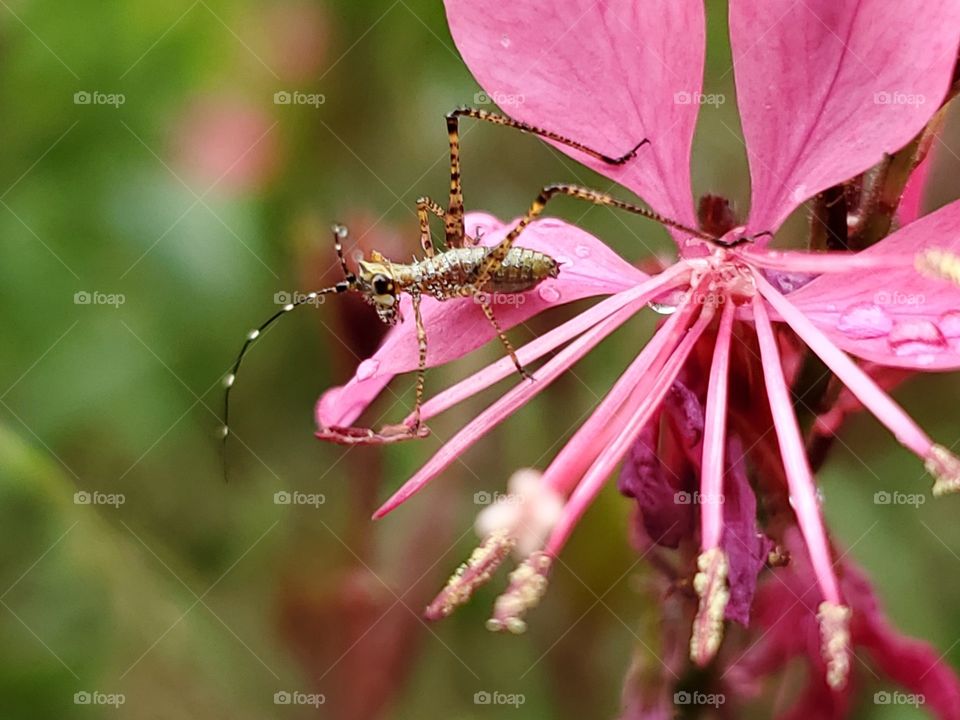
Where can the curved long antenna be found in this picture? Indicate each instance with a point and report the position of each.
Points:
(339, 233)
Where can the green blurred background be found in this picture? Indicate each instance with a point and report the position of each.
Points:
(180, 213)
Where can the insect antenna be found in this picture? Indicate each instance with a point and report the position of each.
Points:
(339, 232)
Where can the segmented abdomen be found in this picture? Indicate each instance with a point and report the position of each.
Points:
(446, 274)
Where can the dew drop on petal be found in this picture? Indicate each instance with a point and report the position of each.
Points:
(549, 293)
(916, 337)
(582, 250)
(799, 193)
(865, 320)
(949, 324)
(505, 41)
(662, 308)
(367, 369)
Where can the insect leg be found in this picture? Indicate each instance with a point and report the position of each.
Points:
(425, 205)
(499, 252)
(484, 302)
(421, 362)
(453, 223)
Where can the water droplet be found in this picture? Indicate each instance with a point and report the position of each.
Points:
(916, 337)
(549, 293)
(799, 193)
(229, 379)
(582, 250)
(865, 320)
(662, 308)
(253, 335)
(223, 431)
(505, 41)
(949, 324)
(367, 369)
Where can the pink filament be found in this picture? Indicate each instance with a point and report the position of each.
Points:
(863, 387)
(714, 434)
(825, 262)
(582, 449)
(799, 476)
(650, 396)
(671, 277)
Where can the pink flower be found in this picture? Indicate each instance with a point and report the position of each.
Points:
(822, 97)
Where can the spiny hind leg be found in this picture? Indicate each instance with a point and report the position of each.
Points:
(454, 222)
(499, 252)
(482, 299)
(425, 206)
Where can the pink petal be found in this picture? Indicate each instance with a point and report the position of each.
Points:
(897, 317)
(606, 74)
(823, 93)
(588, 268)
(644, 478)
(746, 548)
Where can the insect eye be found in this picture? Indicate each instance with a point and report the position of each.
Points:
(382, 285)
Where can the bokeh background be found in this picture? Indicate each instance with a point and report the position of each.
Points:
(177, 198)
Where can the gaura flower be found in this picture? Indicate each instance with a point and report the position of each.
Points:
(824, 90)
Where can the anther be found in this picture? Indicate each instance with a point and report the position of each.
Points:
(711, 587)
(527, 585)
(835, 642)
(945, 468)
(476, 571)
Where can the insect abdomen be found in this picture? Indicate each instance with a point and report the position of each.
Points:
(447, 274)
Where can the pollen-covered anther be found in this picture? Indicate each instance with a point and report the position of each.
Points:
(476, 571)
(945, 468)
(940, 263)
(835, 642)
(710, 584)
(528, 583)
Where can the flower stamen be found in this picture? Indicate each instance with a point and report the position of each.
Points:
(528, 583)
(945, 468)
(941, 264)
(476, 571)
(835, 642)
(711, 587)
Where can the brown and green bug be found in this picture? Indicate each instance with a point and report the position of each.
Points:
(465, 269)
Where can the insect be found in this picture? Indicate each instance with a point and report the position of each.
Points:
(465, 269)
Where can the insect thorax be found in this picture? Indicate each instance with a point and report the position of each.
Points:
(453, 273)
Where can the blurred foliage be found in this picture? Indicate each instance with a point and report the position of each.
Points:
(195, 201)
